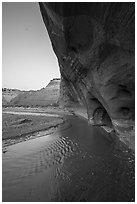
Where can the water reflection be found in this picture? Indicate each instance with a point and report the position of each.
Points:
(78, 164)
(30, 113)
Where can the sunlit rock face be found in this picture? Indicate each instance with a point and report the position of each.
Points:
(94, 44)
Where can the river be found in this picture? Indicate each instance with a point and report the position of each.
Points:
(30, 113)
(75, 164)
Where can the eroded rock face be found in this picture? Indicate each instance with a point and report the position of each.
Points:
(44, 97)
(94, 44)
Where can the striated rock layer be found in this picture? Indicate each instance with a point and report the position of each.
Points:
(94, 44)
(47, 96)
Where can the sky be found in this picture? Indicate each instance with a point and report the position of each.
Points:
(28, 60)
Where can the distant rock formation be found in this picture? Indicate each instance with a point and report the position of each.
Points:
(44, 97)
(8, 95)
(95, 47)
(4, 102)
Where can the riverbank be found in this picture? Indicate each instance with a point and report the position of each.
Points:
(21, 124)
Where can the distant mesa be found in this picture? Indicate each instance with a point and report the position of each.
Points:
(47, 96)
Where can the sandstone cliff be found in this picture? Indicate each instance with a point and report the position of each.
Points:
(8, 95)
(94, 44)
(44, 97)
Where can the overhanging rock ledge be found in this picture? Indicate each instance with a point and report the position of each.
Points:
(94, 44)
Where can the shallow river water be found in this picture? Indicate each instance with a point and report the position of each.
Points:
(76, 164)
(31, 113)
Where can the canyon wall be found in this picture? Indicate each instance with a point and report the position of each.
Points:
(95, 47)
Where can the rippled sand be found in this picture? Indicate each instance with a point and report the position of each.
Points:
(75, 164)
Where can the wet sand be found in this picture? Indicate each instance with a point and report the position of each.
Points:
(75, 164)
(18, 126)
